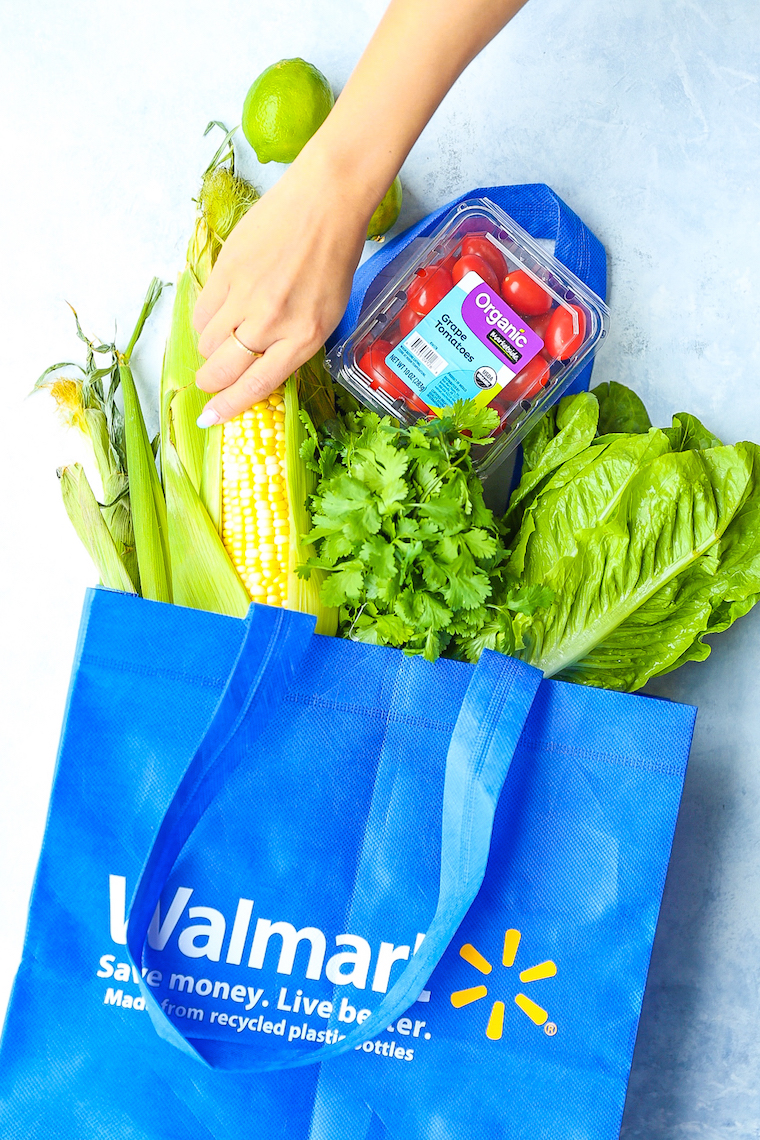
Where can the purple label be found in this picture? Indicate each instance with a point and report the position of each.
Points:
(499, 328)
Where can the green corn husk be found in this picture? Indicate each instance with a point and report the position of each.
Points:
(181, 361)
(223, 200)
(145, 492)
(211, 475)
(85, 513)
(203, 577)
(304, 593)
(85, 405)
(316, 393)
(116, 511)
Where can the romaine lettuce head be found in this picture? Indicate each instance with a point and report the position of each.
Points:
(643, 542)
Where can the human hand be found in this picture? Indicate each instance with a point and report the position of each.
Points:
(283, 278)
(280, 284)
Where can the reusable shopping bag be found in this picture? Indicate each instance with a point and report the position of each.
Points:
(310, 821)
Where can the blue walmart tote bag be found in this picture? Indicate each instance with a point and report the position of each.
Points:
(303, 823)
(297, 887)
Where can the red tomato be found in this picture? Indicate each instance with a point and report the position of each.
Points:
(448, 262)
(382, 376)
(407, 320)
(416, 404)
(525, 295)
(428, 288)
(373, 365)
(540, 324)
(393, 334)
(471, 263)
(532, 379)
(482, 247)
(560, 340)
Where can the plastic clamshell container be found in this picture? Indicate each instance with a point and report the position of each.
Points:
(477, 310)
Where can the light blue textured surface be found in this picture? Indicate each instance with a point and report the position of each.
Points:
(645, 117)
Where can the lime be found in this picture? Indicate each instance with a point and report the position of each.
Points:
(387, 212)
(284, 107)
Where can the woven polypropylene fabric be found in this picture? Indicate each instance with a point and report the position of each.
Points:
(580, 846)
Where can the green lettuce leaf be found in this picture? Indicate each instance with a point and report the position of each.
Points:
(688, 434)
(583, 493)
(576, 420)
(620, 410)
(535, 442)
(646, 550)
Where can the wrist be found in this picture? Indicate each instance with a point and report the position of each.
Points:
(349, 167)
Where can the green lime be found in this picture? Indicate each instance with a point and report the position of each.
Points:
(284, 107)
(387, 212)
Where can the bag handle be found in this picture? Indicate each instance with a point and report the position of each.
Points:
(534, 206)
(274, 643)
(490, 721)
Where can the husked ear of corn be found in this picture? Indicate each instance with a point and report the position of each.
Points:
(255, 524)
(203, 576)
(264, 505)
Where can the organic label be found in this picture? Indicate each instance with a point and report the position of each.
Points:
(468, 347)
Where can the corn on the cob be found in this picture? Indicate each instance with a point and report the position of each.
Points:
(265, 488)
(255, 523)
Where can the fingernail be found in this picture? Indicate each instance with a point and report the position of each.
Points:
(208, 417)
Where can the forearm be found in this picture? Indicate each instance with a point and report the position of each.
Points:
(416, 54)
(284, 275)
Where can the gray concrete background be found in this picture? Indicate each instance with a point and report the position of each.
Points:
(645, 117)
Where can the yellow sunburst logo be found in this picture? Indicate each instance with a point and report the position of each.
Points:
(495, 1027)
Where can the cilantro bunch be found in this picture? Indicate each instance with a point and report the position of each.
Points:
(411, 553)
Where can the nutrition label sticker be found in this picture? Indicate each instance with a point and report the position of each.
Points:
(469, 346)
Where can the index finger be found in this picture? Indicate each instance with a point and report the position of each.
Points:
(210, 300)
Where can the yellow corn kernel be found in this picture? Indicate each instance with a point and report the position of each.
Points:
(255, 526)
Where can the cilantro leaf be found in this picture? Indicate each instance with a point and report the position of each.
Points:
(479, 422)
(343, 585)
(480, 543)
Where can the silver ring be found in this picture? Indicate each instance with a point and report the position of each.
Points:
(238, 341)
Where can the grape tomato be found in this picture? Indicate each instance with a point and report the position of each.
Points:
(560, 340)
(540, 324)
(373, 365)
(430, 285)
(471, 263)
(531, 380)
(407, 320)
(479, 245)
(525, 295)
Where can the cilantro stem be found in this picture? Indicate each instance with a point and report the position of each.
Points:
(358, 614)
